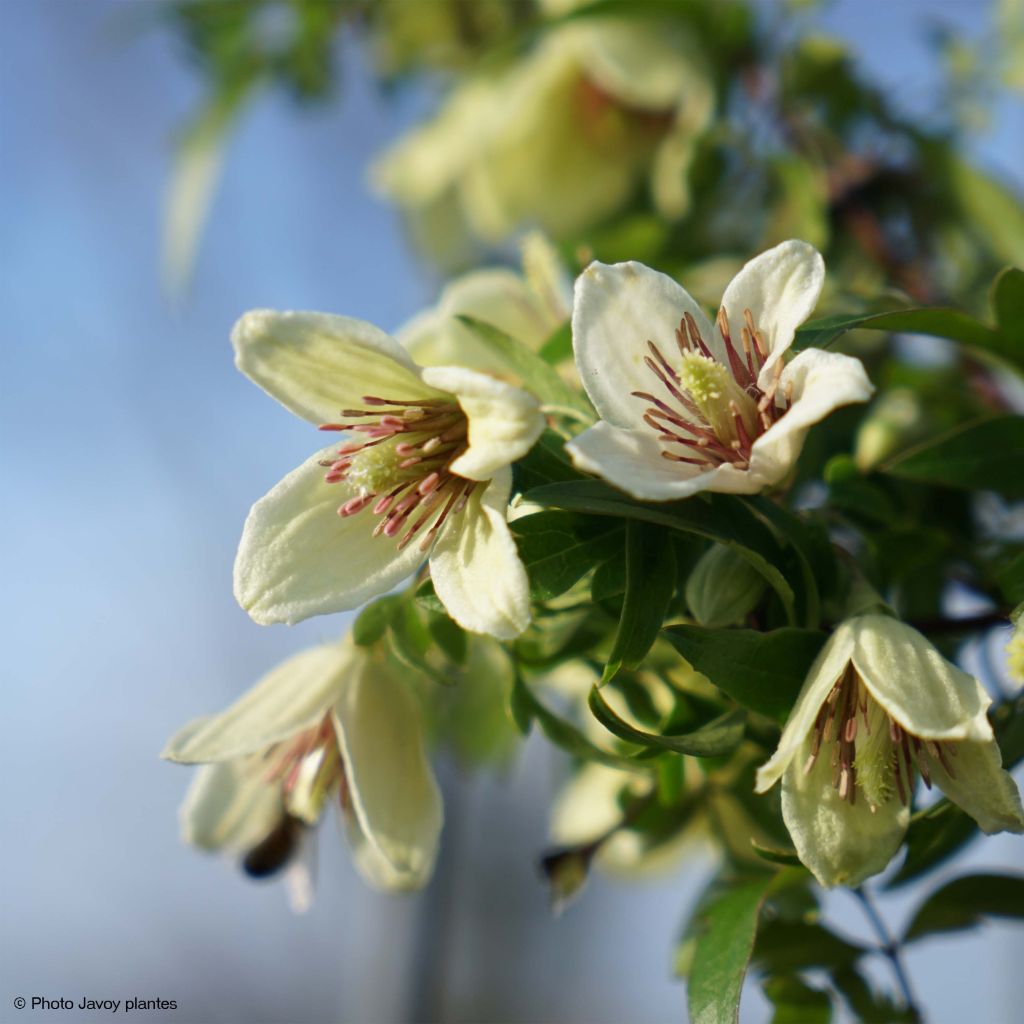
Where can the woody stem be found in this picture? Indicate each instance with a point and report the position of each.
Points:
(891, 949)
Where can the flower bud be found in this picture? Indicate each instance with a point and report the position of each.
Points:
(723, 588)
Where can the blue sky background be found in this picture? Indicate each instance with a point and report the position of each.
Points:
(131, 450)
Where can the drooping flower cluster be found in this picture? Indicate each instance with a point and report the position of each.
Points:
(422, 476)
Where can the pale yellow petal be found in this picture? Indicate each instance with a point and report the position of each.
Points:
(780, 287)
(317, 364)
(291, 697)
(504, 421)
(391, 789)
(298, 557)
(842, 844)
(928, 695)
(980, 786)
(476, 569)
(818, 383)
(826, 671)
(229, 806)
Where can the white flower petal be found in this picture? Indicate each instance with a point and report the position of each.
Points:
(476, 568)
(617, 310)
(822, 382)
(316, 364)
(828, 667)
(981, 787)
(928, 695)
(780, 287)
(504, 421)
(298, 557)
(498, 297)
(229, 806)
(291, 697)
(632, 461)
(394, 797)
(841, 843)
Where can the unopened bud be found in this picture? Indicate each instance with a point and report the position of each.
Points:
(723, 588)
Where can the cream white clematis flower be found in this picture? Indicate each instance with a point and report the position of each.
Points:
(686, 406)
(561, 138)
(423, 471)
(879, 706)
(334, 722)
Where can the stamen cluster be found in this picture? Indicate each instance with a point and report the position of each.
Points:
(402, 470)
(313, 753)
(713, 412)
(888, 757)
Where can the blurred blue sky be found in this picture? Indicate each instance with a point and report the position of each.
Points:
(131, 450)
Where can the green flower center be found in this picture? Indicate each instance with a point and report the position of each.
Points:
(399, 465)
(710, 413)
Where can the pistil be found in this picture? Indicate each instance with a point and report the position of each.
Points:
(402, 470)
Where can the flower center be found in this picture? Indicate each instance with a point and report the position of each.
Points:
(870, 750)
(710, 414)
(402, 468)
(307, 768)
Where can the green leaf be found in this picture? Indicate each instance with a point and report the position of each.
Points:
(787, 946)
(813, 551)
(963, 903)
(725, 929)
(1008, 303)
(558, 347)
(990, 207)
(449, 637)
(986, 455)
(609, 579)
(545, 463)
(796, 1002)
(933, 837)
(939, 323)
(762, 671)
(559, 548)
(869, 1006)
(426, 597)
(372, 622)
(1010, 577)
(537, 375)
(712, 740)
(412, 642)
(719, 517)
(650, 584)
(774, 855)
(565, 735)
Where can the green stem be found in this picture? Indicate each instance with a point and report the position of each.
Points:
(891, 950)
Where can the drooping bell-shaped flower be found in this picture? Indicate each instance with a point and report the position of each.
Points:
(422, 472)
(559, 139)
(688, 406)
(334, 723)
(879, 708)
